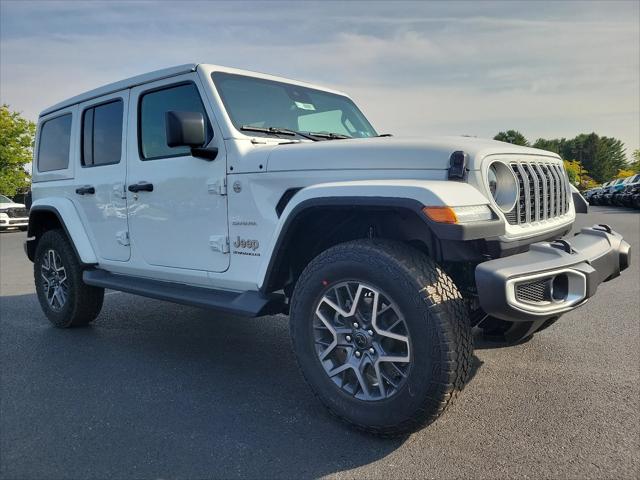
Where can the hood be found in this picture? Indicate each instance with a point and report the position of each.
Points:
(388, 153)
(11, 205)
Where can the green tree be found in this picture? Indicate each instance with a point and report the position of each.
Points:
(16, 149)
(554, 145)
(574, 171)
(601, 156)
(578, 176)
(512, 136)
(635, 165)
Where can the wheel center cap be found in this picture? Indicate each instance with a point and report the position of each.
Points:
(361, 340)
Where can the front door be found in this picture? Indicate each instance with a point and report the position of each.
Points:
(99, 182)
(178, 216)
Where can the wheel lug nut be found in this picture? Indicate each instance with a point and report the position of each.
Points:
(348, 338)
(372, 351)
(370, 332)
(358, 353)
(355, 325)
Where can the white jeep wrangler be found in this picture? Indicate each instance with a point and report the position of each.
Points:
(252, 194)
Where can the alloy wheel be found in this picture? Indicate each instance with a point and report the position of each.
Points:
(54, 279)
(362, 341)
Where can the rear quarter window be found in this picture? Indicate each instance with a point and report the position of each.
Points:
(55, 140)
(102, 134)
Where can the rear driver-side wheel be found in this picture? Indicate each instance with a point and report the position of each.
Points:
(381, 334)
(64, 298)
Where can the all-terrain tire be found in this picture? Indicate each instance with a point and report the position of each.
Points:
(438, 325)
(82, 302)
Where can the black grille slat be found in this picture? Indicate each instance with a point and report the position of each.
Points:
(565, 189)
(520, 204)
(552, 191)
(512, 217)
(533, 191)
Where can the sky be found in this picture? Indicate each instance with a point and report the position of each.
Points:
(547, 69)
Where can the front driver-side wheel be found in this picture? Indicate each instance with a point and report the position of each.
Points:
(64, 298)
(381, 334)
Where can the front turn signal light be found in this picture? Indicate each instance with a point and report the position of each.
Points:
(465, 214)
(441, 214)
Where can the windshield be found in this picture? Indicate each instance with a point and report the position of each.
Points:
(4, 199)
(256, 102)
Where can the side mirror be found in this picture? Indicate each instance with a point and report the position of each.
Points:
(579, 202)
(185, 129)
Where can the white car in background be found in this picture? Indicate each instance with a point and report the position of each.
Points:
(13, 215)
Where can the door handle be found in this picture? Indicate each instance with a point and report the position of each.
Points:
(86, 190)
(141, 187)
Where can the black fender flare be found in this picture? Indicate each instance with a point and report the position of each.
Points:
(439, 231)
(31, 243)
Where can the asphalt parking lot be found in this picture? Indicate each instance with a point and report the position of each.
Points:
(156, 390)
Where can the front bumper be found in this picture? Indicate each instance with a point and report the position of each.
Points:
(552, 277)
(7, 222)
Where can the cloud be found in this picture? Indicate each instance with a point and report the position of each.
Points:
(550, 69)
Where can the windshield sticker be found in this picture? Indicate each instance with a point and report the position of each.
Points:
(305, 106)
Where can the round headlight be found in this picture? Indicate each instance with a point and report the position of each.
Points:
(503, 186)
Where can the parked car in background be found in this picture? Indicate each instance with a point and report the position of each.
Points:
(619, 196)
(589, 194)
(614, 186)
(635, 197)
(12, 214)
(621, 192)
(596, 196)
(631, 192)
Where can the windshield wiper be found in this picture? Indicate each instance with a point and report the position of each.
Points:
(276, 131)
(329, 135)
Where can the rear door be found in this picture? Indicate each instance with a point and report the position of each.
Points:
(99, 186)
(181, 221)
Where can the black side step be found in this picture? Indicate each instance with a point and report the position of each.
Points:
(247, 304)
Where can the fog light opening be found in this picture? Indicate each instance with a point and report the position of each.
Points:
(560, 287)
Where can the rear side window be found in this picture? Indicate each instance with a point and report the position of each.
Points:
(153, 106)
(102, 134)
(55, 139)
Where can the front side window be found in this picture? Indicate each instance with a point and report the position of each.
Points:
(256, 102)
(4, 199)
(55, 139)
(153, 106)
(102, 134)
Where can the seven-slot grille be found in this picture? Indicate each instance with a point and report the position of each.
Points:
(17, 212)
(544, 192)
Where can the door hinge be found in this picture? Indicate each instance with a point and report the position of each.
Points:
(123, 238)
(218, 187)
(219, 243)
